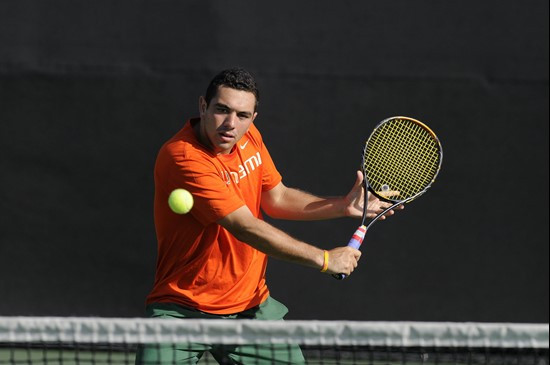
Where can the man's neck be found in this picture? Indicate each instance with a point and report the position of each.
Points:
(203, 140)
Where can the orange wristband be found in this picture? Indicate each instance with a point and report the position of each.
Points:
(325, 264)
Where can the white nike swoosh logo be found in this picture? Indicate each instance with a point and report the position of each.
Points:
(244, 145)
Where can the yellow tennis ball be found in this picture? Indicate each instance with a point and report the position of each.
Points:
(180, 201)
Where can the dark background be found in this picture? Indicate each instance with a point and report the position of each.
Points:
(89, 90)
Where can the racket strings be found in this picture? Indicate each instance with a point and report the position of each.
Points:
(404, 157)
(401, 155)
(409, 174)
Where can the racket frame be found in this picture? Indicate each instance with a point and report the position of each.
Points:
(366, 183)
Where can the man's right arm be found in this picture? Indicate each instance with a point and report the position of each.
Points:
(242, 224)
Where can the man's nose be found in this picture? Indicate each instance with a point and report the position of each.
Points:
(231, 120)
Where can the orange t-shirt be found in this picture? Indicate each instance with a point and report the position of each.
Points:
(200, 264)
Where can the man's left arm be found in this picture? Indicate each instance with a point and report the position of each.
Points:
(283, 202)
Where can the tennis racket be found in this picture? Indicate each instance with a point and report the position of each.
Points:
(401, 160)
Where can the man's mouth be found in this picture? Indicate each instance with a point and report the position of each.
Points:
(226, 137)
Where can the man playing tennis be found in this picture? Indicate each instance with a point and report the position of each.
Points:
(211, 262)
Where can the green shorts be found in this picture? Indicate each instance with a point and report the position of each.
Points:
(270, 309)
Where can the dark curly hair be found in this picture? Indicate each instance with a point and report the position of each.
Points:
(235, 78)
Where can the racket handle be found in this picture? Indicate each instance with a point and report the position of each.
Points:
(358, 237)
(355, 242)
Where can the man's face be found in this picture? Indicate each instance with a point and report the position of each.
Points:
(226, 119)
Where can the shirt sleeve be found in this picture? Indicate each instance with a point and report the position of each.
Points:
(270, 176)
(213, 199)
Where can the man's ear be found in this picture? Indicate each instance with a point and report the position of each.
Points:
(202, 105)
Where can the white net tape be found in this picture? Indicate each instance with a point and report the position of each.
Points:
(341, 333)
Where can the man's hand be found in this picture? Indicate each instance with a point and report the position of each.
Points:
(342, 260)
(355, 202)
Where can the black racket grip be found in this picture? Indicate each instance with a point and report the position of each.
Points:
(339, 276)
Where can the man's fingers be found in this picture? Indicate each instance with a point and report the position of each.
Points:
(388, 193)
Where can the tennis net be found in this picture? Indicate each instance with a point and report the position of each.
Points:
(98, 341)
